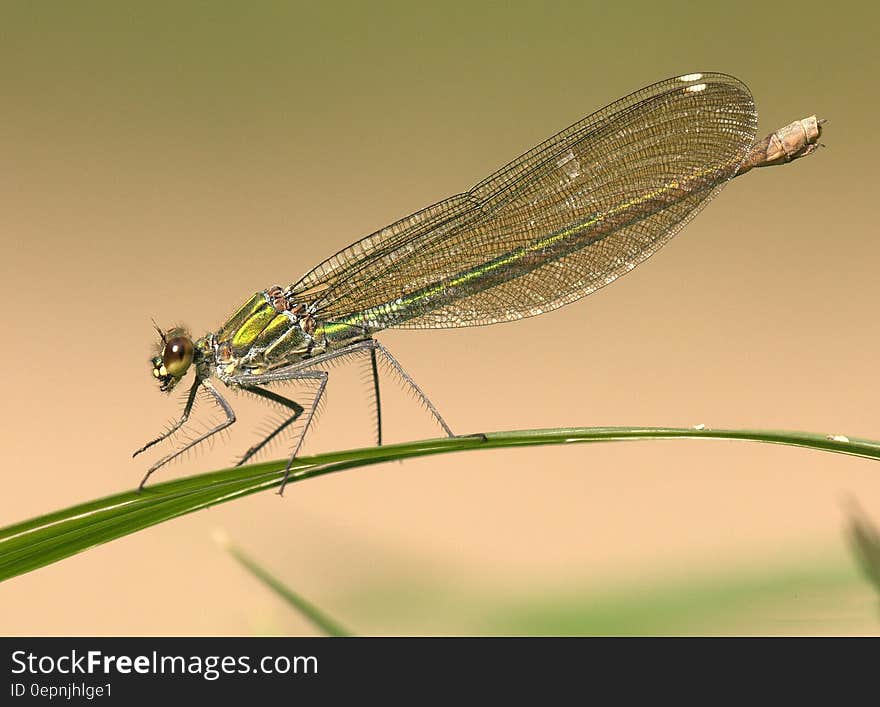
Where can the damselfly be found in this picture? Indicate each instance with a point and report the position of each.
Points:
(566, 218)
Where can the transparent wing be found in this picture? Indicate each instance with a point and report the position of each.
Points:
(363, 259)
(559, 222)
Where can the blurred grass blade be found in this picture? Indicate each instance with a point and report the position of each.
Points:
(864, 541)
(317, 617)
(814, 596)
(46, 539)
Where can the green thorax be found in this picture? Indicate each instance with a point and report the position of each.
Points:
(263, 335)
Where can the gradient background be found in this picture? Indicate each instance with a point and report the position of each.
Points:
(167, 161)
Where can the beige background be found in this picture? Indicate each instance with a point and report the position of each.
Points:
(168, 161)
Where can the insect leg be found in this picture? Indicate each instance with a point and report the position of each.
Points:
(321, 376)
(274, 397)
(375, 370)
(412, 384)
(187, 409)
(296, 371)
(372, 346)
(230, 418)
(292, 373)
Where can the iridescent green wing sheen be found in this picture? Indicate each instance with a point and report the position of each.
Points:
(561, 221)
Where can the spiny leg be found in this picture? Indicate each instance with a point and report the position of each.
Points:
(321, 376)
(372, 346)
(250, 381)
(230, 418)
(375, 370)
(424, 398)
(413, 385)
(296, 371)
(187, 409)
(366, 344)
(274, 397)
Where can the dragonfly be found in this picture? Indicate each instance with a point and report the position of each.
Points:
(559, 222)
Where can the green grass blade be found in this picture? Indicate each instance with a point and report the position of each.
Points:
(864, 541)
(318, 618)
(809, 598)
(46, 539)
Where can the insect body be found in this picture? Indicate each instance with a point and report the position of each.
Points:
(563, 220)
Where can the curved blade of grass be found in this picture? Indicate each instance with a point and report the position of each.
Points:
(46, 539)
(317, 617)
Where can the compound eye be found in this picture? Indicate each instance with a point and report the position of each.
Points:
(177, 355)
